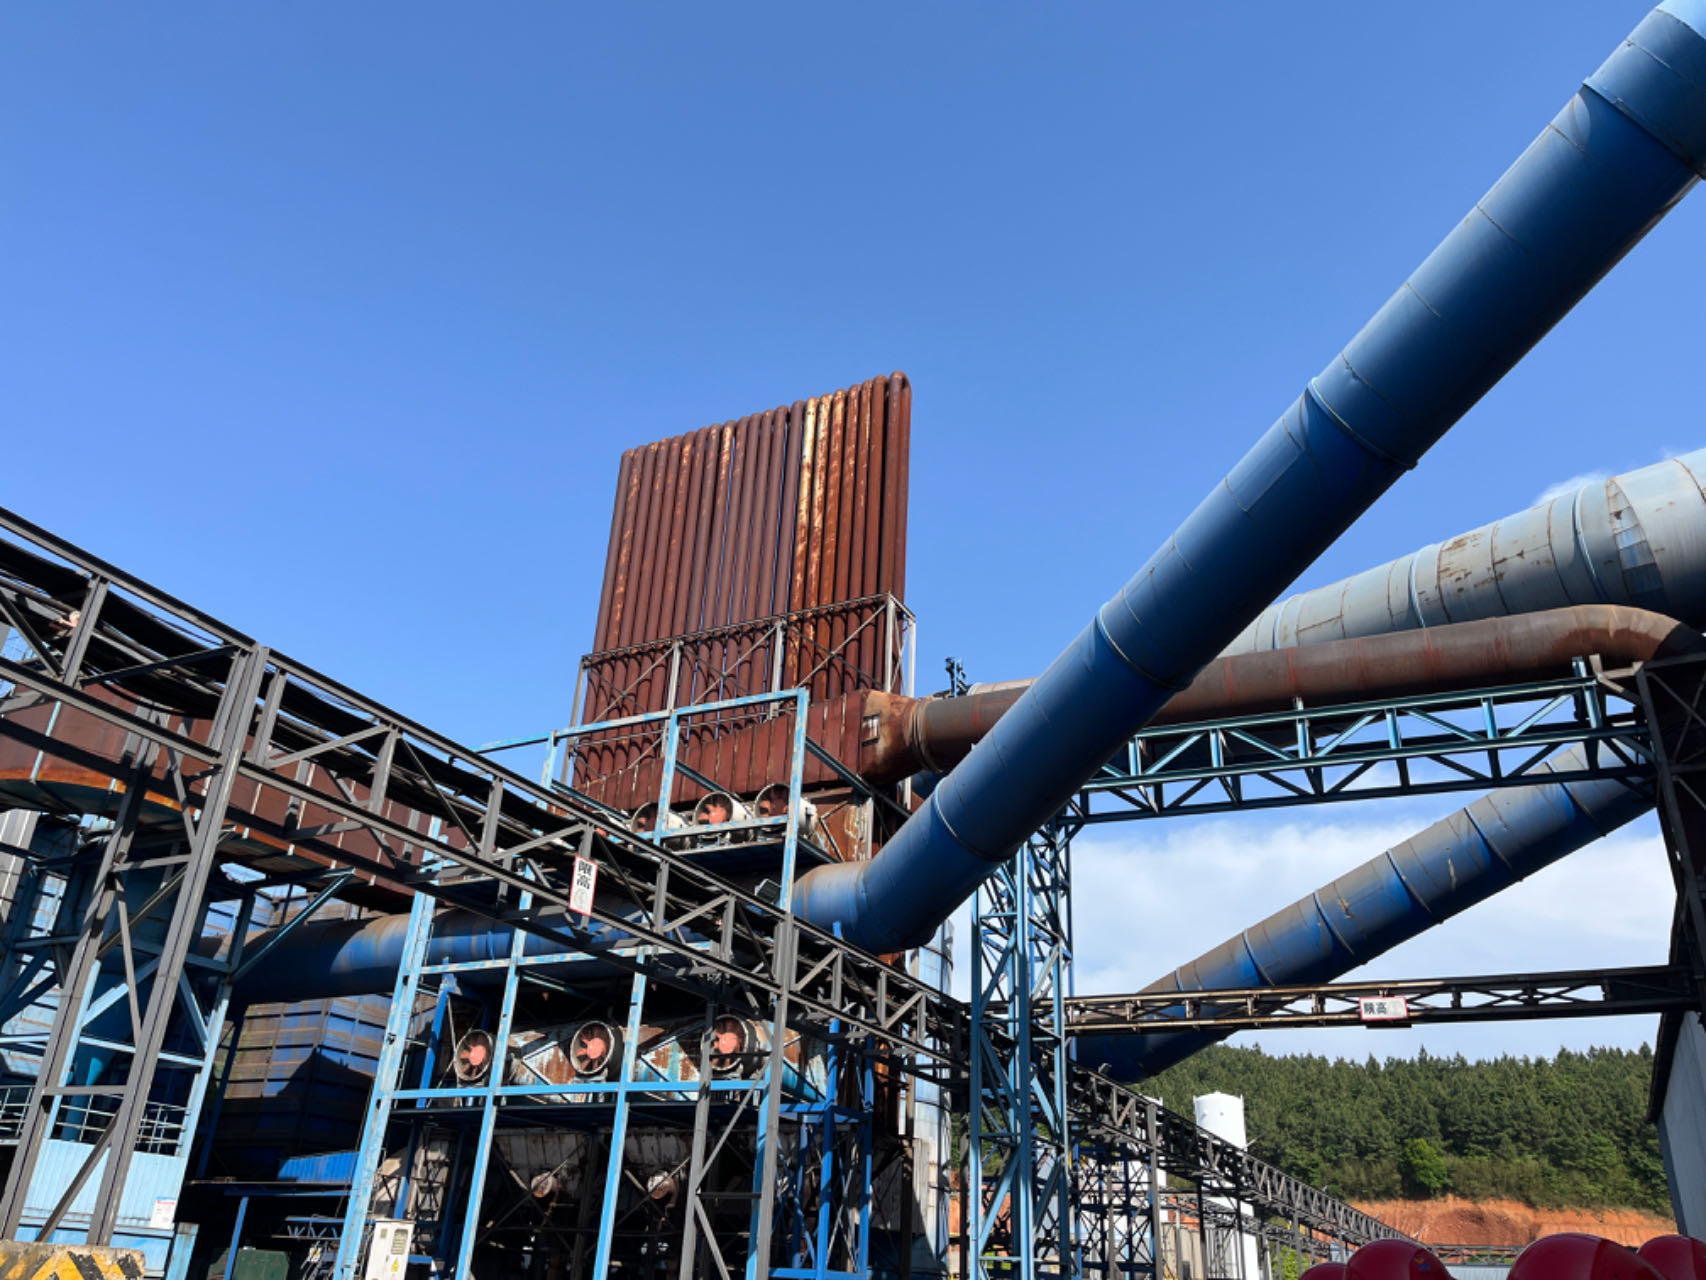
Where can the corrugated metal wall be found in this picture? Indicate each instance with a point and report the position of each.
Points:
(1682, 1123)
(799, 512)
(802, 506)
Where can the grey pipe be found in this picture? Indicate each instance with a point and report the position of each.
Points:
(1636, 539)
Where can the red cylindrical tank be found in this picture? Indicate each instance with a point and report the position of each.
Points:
(1325, 1271)
(1676, 1257)
(1580, 1257)
(1394, 1260)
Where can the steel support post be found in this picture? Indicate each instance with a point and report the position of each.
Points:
(230, 737)
(152, 989)
(1674, 694)
(1153, 1189)
(1021, 1140)
(385, 1081)
(75, 986)
(693, 1210)
(770, 1117)
(619, 1133)
(469, 1222)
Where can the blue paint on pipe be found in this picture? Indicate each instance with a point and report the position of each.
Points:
(1613, 161)
(361, 957)
(1463, 859)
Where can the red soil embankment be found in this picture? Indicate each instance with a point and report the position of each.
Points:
(1506, 1222)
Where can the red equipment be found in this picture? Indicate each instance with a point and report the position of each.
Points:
(1676, 1257)
(1580, 1257)
(1394, 1260)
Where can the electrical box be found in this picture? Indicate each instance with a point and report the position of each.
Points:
(388, 1255)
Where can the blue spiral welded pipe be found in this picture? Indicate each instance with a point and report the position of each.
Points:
(1464, 859)
(1622, 151)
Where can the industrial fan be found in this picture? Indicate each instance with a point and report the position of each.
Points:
(593, 1047)
(474, 1054)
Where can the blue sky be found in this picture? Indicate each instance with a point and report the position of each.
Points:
(334, 321)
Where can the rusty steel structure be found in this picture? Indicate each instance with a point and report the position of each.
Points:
(217, 769)
(763, 554)
(774, 513)
(680, 1006)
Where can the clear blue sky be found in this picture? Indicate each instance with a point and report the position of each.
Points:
(334, 319)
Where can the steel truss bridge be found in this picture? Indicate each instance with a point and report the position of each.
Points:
(187, 749)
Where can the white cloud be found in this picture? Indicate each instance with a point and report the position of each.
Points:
(1569, 486)
(1150, 896)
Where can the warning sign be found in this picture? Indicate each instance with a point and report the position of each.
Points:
(1383, 1009)
(582, 886)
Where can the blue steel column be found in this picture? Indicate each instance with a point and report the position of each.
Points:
(1022, 1223)
(619, 1123)
(470, 1222)
(390, 1064)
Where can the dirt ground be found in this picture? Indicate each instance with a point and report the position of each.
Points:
(1505, 1222)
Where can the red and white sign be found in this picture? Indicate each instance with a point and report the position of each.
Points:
(1383, 1009)
(582, 886)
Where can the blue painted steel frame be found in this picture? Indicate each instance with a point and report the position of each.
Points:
(28, 976)
(839, 1193)
(830, 1126)
(559, 750)
(1021, 1143)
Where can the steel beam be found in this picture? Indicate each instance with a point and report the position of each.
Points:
(340, 783)
(1418, 745)
(1579, 993)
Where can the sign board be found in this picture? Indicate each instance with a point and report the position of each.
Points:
(1383, 1009)
(164, 1214)
(581, 887)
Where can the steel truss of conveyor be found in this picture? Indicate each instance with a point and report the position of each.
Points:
(1588, 993)
(1421, 744)
(216, 728)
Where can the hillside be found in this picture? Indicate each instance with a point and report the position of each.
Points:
(1451, 1220)
(1568, 1132)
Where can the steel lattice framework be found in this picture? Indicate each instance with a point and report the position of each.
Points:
(227, 751)
(1021, 1150)
(1589, 993)
(1407, 746)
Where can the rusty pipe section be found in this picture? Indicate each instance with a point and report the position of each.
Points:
(937, 733)
(1624, 149)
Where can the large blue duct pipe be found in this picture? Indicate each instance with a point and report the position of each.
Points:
(322, 959)
(1638, 538)
(1613, 162)
(1501, 838)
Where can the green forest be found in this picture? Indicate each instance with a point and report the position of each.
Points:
(1569, 1131)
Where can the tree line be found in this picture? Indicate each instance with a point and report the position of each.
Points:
(1564, 1132)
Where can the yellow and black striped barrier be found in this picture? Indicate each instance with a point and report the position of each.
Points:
(31, 1261)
